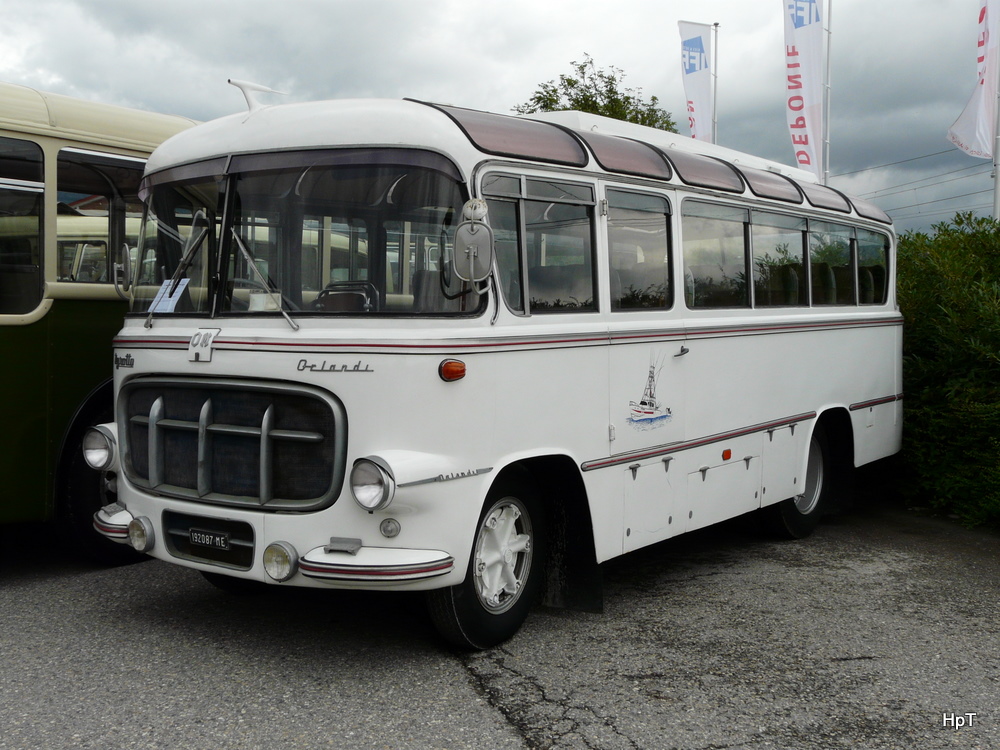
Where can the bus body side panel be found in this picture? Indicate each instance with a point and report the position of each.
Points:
(55, 364)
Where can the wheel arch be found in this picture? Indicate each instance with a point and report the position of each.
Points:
(836, 425)
(573, 577)
(96, 408)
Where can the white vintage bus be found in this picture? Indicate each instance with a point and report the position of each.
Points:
(402, 346)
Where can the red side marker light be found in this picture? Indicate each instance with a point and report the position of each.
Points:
(451, 370)
(727, 454)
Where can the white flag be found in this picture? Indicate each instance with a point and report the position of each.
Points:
(975, 129)
(804, 81)
(696, 66)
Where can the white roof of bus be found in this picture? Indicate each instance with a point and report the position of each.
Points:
(26, 110)
(342, 122)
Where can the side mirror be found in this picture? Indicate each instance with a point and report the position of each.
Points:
(473, 256)
(121, 272)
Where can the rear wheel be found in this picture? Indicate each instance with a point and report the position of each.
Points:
(504, 574)
(798, 516)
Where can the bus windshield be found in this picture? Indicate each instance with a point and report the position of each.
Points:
(307, 233)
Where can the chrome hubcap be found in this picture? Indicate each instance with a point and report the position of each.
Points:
(807, 501)
(502, 555)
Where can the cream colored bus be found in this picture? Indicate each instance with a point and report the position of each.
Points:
(69, 179)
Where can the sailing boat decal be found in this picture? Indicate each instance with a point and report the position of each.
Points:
(648, 411)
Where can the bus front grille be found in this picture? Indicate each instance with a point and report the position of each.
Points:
(269, 446)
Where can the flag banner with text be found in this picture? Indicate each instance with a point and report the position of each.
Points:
(696, 66)
(975, 129)
(804, 81)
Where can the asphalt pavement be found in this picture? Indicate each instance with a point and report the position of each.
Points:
(879, 631)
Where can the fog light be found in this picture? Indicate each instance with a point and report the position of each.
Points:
(99, 448)
(280, 561)
(390, 528)
(140, 534)
(372, 484)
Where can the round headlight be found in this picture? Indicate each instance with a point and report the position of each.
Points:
(140, 534)
(280, 561)
(99, 448)
(372, 484)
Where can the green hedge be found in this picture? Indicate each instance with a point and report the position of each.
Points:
(949, 293)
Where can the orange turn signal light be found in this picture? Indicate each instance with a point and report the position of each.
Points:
(451, 370)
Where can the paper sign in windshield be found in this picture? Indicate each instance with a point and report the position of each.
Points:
(164, 301)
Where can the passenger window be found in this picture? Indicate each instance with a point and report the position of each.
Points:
(543, 239)
(778, 244)
(503, 220)
(559, 251)
(873, 274)
(715, 257)
(830, 267)
(638, 241)
(99, 211)
(20, 226)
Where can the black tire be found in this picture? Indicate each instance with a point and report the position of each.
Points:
(235, 586)
(84, 491)
(504, 576)
(797, 517)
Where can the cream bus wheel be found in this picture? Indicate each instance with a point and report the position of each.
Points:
(504, 574)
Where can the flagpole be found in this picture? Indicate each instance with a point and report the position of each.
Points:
(826, 95)
(996, 152)
(715, 85)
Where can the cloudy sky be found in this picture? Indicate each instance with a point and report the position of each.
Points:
(901, 71)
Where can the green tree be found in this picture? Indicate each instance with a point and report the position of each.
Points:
(949, 293)
(600, 92)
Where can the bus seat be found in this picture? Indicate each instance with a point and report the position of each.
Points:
(782, 286)
(844, 277)
(878, 284)
(866, 286)
(824, 286)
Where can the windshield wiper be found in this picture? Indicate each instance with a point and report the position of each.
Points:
(193, 245)
(268, 287)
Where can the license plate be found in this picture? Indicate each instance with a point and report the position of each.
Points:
(209, 539)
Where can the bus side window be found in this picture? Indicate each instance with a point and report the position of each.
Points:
(638, 243)
(20, 226)
(98, 211)
(715, 255)
(778, 246)
(504, 221)
(832, 270)
(556, 245)
(873, 275)
(560, 271)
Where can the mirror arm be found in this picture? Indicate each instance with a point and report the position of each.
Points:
(125, 266)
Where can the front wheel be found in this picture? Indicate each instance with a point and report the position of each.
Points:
(504, 574)
(798, 516)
